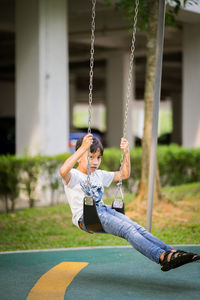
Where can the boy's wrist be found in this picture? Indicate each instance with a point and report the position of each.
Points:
(83, 148)
(126, 151)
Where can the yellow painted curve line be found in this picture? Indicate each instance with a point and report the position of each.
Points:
(53, 284)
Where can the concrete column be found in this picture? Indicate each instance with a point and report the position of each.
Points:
(41, 77)
(191, 85)
(117, 80)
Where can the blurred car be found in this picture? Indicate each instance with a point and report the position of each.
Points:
(75, 136)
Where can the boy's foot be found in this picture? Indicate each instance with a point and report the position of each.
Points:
(175, 259)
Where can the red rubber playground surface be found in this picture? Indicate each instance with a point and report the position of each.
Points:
(94, 273)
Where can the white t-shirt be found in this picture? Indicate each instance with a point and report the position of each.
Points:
(76, 190)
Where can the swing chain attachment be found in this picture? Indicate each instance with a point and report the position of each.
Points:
(119, 191)
(118, 203)
(129, 85)
(91, 85)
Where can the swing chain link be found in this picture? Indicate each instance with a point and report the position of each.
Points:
(91, 85)
(130, 75)
(129, 85)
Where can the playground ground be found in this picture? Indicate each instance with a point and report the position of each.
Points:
(94, 273)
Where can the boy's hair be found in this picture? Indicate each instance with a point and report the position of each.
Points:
(96, 144)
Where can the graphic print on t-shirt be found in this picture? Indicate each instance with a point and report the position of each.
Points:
(96, 191)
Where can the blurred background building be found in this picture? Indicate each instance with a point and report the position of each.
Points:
(44, 76)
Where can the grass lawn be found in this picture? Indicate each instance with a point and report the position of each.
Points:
(176, 221)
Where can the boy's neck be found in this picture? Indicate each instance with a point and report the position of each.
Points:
(82, 170)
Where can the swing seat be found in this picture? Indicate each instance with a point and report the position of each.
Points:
(90, 215)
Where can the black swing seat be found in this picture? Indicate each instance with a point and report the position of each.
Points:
(90, 215)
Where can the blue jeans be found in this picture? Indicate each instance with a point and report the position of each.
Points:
(120, 225)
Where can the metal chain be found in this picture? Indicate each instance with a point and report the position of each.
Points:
(91, 84)
(129, 85)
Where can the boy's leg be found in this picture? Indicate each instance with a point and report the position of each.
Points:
(142, 231)
(120, 227)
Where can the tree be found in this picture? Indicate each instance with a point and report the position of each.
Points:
(148, 99)
(147, 21)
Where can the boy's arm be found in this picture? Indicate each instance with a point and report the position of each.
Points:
(71, 161)
(126, 165)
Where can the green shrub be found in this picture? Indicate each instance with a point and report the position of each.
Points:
(177, 166)
(22, 174)
(111, 162)
(9, 180)
(50, 166)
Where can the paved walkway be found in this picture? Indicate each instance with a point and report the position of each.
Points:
(94, 273)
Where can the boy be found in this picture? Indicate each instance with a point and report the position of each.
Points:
(113, 222)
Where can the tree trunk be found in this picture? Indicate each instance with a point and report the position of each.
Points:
(149, 98)
(6, 203)
(12, 203)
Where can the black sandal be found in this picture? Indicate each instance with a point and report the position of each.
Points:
(177, 259)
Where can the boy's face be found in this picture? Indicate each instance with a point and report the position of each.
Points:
(95, 161)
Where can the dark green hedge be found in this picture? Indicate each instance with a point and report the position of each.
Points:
(177, 165)
(21, 174)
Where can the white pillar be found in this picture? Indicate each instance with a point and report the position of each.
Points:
(41, 77)
(191, 85)
(117, 80)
